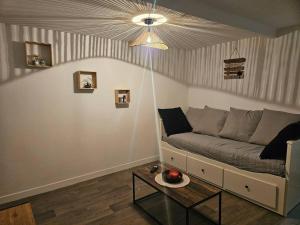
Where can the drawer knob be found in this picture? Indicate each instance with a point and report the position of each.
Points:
(247, 187)
(172, 158)
(203, 171)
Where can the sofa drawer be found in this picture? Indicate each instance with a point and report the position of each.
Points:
(204, 170)
(176, 159)
(257, 190)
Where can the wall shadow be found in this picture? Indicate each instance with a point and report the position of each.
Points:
(66, 47)
(177, 64)
(19, 59)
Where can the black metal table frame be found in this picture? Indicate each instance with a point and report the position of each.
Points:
(187, 209)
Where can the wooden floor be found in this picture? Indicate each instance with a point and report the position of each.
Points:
(108, 201)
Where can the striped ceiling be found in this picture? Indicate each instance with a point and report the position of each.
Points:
(112, 19)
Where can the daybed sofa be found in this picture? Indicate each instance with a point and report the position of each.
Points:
(224, 149)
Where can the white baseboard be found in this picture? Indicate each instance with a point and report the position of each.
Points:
(67, 182)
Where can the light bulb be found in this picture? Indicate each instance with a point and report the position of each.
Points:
(149, 40)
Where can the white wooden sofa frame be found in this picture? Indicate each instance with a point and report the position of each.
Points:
(278, 194)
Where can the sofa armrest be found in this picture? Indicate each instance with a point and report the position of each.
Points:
(291, 142)
(292, 157)
(292, 167)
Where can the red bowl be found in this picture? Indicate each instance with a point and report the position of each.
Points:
(172, 176)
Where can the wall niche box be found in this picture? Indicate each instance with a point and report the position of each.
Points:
(38, 55)
(122, 98)
(86, 80)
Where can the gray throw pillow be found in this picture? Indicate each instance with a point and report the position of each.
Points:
(194, 115)
(271, 123)
(240, 124)
(211, 122)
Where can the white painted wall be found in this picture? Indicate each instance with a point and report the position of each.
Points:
(271, 68)
(51, 137)
(199, 97)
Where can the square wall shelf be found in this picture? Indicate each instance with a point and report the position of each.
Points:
(86, 80)
(122, 98)
(38, 55)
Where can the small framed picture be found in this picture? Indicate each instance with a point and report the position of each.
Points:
(86, 80)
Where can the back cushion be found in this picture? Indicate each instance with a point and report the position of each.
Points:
(174, 121)
(240, 124)
(271, 123)
(277, 148)
(211, 121)
(194, 116)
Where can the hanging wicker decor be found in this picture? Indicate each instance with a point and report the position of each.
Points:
(234, 67)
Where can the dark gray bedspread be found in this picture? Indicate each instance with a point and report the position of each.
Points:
(239, 154)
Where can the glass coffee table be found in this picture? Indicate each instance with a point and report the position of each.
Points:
(172, 206)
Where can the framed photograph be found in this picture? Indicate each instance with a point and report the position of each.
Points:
(86, 80)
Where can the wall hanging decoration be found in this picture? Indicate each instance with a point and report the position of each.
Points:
(234, 67)
(38, 55)
(122, 98)
(86, 80)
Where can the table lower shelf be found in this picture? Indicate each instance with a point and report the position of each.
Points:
(167, 212)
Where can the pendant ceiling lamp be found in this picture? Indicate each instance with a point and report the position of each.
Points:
(148, 38)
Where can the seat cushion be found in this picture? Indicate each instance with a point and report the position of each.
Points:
(194, 116)
(174, 121)
(240, 124)
(239, 154)
(271, 123)
(211, 121)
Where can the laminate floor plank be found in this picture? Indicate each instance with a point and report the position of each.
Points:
(107, 200)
